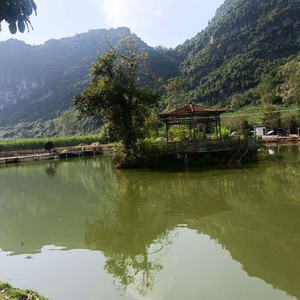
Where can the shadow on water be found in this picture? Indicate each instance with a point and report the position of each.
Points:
(131, 216)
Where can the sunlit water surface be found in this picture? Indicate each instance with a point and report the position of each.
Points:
(93, 232)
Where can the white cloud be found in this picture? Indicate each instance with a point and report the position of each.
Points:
(158, 22)
(159, 12)
(131, 13)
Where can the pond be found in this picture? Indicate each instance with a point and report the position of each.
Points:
(81, 229)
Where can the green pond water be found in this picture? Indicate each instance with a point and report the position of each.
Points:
(93, 232)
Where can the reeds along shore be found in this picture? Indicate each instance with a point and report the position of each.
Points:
(36, 144)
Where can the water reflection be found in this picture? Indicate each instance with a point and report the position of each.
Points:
(144, 212)
(132, 216)
(128, 259)
(254, 214)
(51, 169)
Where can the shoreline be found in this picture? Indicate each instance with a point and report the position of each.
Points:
(270, 139)
(34, 155)
(39, 155)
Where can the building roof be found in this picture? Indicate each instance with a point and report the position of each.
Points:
(192, 110)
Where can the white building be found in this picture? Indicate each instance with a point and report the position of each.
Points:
(260, 130)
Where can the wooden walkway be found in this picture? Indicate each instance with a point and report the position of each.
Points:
(24, 158)
(47, 156)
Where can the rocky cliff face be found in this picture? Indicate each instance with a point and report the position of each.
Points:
(14, 89)
(39, 82)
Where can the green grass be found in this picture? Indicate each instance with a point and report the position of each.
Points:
(8, 292)
(255, 114)
(38, 143)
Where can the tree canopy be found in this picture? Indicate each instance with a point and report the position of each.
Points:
(115, 95)
(176, 92)
(17, 13)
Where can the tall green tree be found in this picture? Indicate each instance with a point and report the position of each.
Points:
(115, 95)
(266, 88)
(176, 92)
(291, 75)
(17, 13)
(272, 117)
(291, 72)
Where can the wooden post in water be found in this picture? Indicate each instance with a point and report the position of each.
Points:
(186, 161)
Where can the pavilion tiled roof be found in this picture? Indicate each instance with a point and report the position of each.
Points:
(190, 110)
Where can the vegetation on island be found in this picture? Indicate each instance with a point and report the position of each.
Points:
(115, 94)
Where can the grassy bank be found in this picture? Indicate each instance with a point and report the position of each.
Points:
(8, 292)
(277, 115)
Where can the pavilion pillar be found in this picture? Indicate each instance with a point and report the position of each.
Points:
(167, 131)
(205, 130)
(219, 127)
(217, 130)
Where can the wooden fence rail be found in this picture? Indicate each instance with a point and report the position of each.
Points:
(198, 147)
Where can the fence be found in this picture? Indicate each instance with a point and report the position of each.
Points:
(163, 148)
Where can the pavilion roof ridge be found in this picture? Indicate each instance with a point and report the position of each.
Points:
(192, 109)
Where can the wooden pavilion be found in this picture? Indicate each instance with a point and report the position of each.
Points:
(192, 115)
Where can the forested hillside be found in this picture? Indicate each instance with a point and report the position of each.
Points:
(39, 82)
(246, 41)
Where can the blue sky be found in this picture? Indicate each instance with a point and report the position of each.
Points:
(158, 22)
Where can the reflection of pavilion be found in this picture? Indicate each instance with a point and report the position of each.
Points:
(211, 202)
